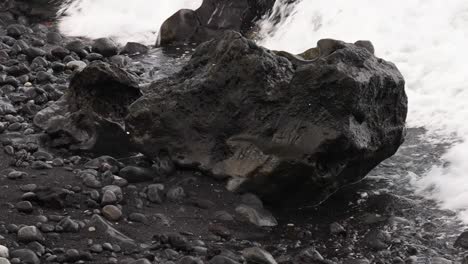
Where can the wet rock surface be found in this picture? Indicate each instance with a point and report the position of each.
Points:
(60, 205)
(238, 110)
(211, 20)
(92, 109)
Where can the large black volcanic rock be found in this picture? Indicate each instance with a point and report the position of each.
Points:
(212, 19)
(277, 125)
(91, 115)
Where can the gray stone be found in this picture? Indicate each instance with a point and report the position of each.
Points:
(440, 260)
(76, 46)
(309, 255)
(133, 48)
(69, 225)
(116, 190)
(91, 181)
(223, 216)
(108, 198)
(96, 248)
(189, 260)
(135, 174)
(111, 212)
(26, 256)
(4, 252)
(258, 255)
(462, 240)
(222, 260)
(29, 234)
(377, 239)
(105, 46)
(6, 107)
(40, 165)
(112, 234)
(257, 216)
(24, 207)
(337, 229)
(175, 194)
(138, 217)
(76, 65)
(141, 261)
(35, 52)
(155, 193)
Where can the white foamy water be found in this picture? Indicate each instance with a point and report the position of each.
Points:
(428, 41)
(123, 20)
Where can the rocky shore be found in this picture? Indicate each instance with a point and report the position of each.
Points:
(219, 153)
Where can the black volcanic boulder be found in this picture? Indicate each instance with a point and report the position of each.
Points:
(91, 115)
(276, 126)
(212, 19)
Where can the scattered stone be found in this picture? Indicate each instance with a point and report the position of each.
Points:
(76, 65)
(28, 187)
(133, 48)
(24, 207)
(72, 255)
(91, 181)
(377, 239)
(440, 260)
(189, 260)
(60, 52)
(58, 162)
(108, 198)
(337, 229)
(69, 225)
(16, 175)
(33, 52)
(53, 197)
(4, 252)
(96, 248)
(6, 107)
(222, 260)
(40, 165)
(94, 56)
(105, 46)
(15, 30)
(221, 231)
(462, 240)
(116, 190)
(29, 234)
(258, 255)
(111, 212)
(257, 216)
(178, 241)
(138, 218)
(26, 256)
(223, 216)
(202, 203)
(141, 261)
(155, 193)
(309, 255)
(76, 46)
(54, 38)
(175, 194)
(106, 228)
(137, 174)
